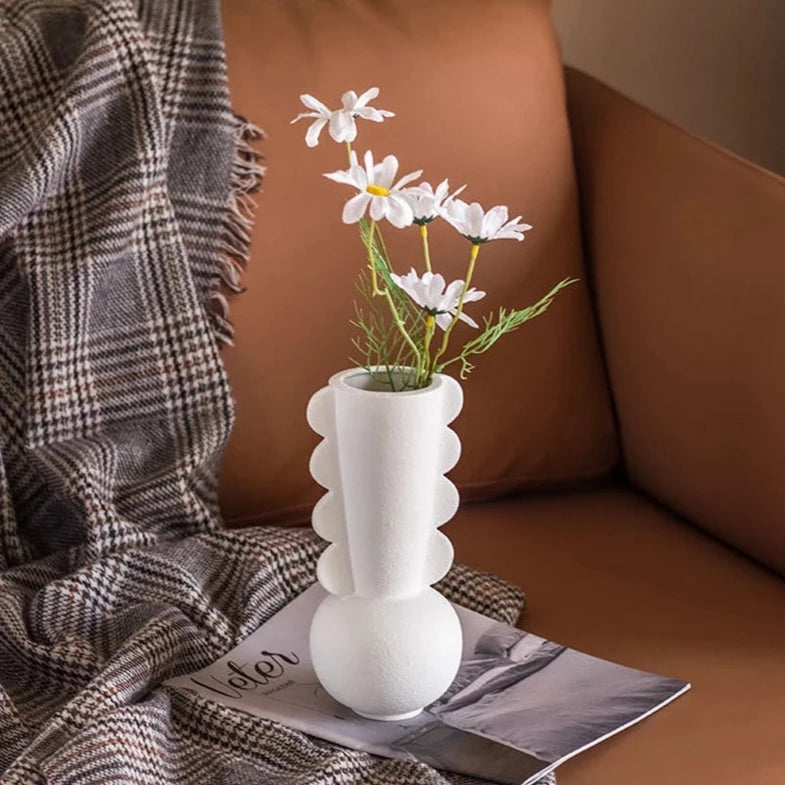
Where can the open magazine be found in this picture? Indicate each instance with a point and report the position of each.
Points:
(519, 706)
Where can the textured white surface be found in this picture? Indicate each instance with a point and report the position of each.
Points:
(386, 657)
(387, 643)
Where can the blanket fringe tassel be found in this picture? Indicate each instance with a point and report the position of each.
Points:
(246, 179)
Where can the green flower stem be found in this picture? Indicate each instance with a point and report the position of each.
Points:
(383, 247)
(377, 292)
(402, 328)
(446, 339)
(425, 248)
(430, 328)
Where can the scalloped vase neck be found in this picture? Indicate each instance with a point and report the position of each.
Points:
(384, 642)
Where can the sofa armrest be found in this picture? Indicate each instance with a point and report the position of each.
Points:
(687, 248)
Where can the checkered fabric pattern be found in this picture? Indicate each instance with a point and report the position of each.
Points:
(123, 185)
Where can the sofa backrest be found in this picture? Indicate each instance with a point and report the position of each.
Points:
(688, 253)
(478, 90)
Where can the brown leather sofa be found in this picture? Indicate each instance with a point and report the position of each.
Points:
(624, 455)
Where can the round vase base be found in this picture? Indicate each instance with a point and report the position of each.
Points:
(407, 715)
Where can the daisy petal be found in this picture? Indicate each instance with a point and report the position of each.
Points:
(493, 220)
(468, 319)
(351, 129)
(378, 207)
(435, 285)
(314, 103)
(349, 99)
(338, 126)
(453, 293)
(314, 129)
(355, 208)
(406, 179)
(369, 167)
(443, 320)
(347, 178)
(399, 213)
(509, 234)
(473, 295)
(389, 168)
(369, 113)
(368, 95)
(303, 115)
(474, 217)
(358, 174)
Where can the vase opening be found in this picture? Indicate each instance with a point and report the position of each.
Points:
(383, 381)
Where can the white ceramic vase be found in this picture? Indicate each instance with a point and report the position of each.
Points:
(384, 642)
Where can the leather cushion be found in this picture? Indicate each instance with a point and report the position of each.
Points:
(612, 574)
(479, 95)
(687, 245)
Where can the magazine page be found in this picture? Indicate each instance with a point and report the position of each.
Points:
(519, 706)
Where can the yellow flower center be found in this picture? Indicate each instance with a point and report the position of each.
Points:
(377, 190)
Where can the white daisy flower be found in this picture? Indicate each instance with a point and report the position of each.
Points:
(430, 294)
(376, 189)
(342, 126)
(426, 203)
(481, 227)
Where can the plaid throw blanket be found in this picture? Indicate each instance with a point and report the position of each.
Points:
(123, 192)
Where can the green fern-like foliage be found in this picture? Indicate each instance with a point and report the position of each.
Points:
(380, 347)
(380, 344)
(506, 321)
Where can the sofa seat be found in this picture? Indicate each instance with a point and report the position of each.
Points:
(611, 573)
